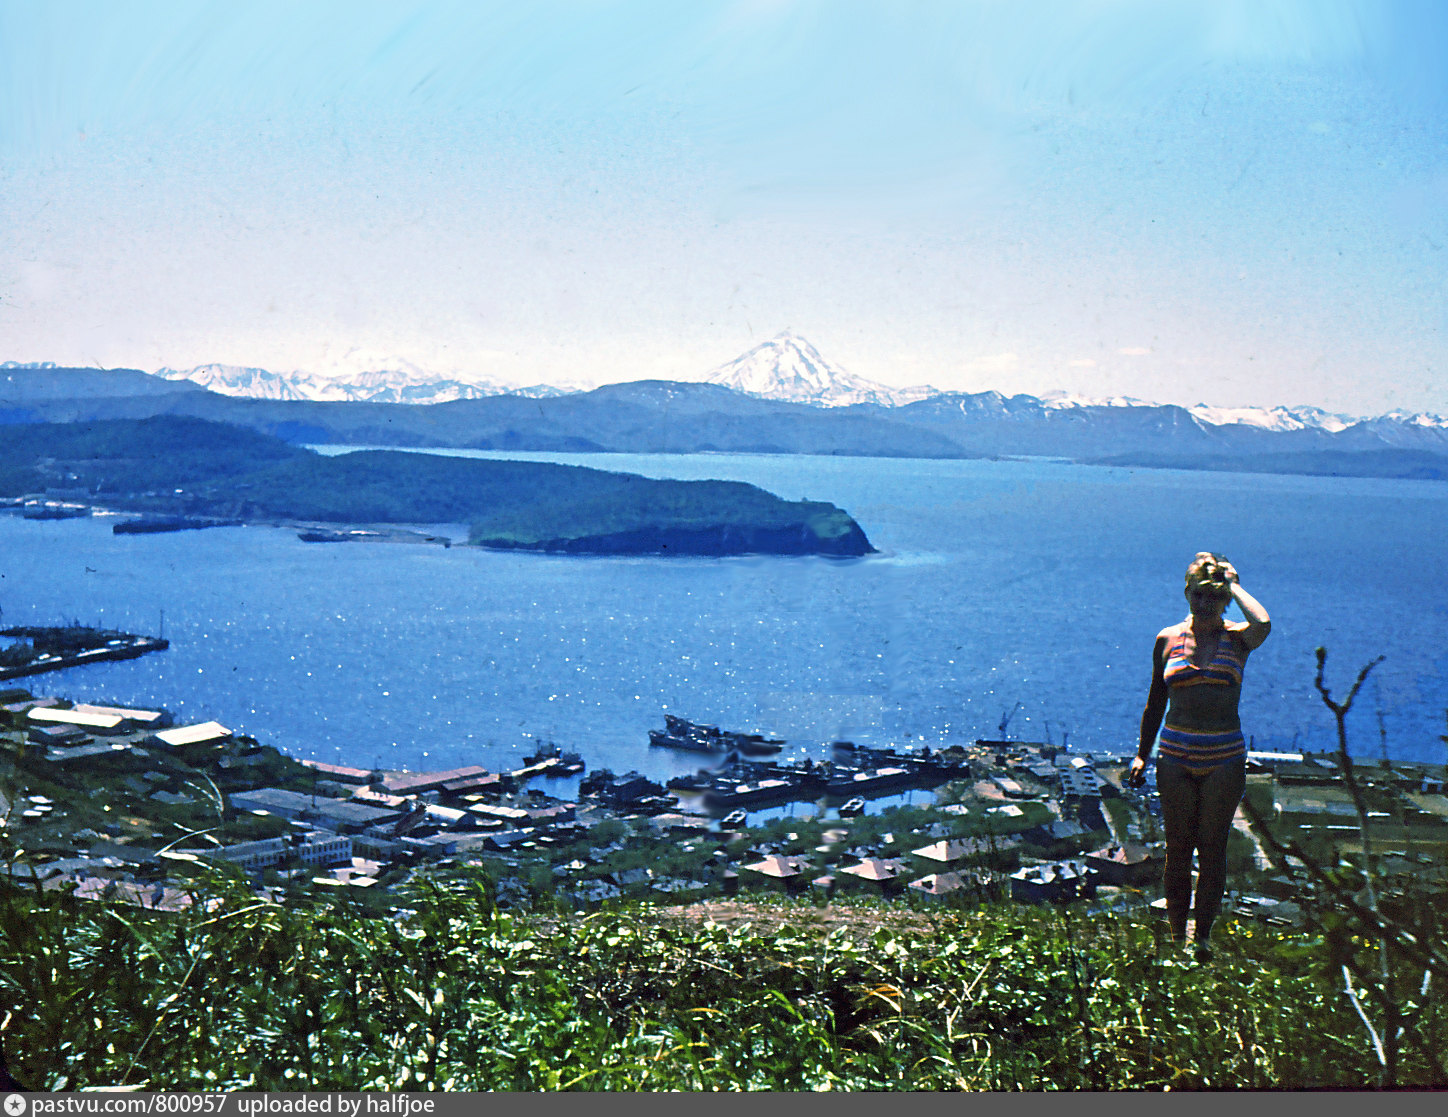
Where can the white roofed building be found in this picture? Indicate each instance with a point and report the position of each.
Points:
(101, 724)
(134, 719)
(204, 733)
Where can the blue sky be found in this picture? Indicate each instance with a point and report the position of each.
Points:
(1229, 203)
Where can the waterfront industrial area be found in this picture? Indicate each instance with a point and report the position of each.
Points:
(120, 804)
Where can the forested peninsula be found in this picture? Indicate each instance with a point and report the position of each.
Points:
(174, 465)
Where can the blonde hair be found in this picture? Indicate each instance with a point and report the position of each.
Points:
(1208, 571)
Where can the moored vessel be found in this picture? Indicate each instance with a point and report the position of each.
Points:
(870, 781)
(680, 733)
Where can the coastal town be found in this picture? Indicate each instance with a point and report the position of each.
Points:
(123, 805)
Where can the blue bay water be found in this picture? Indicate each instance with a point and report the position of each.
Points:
(1031, 589)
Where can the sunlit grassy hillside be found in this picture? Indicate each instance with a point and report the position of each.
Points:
(783, 995)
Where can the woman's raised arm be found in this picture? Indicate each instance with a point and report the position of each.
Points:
(1259, 624)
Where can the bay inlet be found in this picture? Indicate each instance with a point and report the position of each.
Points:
(1023, 592)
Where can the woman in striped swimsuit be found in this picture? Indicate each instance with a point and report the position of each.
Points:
(1196, 683)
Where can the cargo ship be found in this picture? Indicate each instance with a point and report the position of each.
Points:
(680, 733)
(727, 794)
(870, 781)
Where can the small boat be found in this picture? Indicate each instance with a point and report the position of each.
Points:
(851, 808)
(734, 819)
(551, 760)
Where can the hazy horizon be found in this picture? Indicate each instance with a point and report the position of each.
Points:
(413, 374)
(1235, 204)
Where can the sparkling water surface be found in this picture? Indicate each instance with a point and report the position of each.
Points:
(1027, 592)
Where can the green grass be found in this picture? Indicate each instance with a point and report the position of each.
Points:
(462, 996)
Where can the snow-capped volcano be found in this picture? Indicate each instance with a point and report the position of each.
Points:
(789, 368)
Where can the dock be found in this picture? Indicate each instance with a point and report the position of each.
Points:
(54, 649)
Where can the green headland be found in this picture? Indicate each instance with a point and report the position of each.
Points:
(176, 466)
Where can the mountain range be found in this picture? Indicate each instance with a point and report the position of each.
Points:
(380, 386)
(782, 396)
(786, 368)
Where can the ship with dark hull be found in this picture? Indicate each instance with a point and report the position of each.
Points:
(550, 760)
(338, 535)
(699, 781)
(629, 792)
(870, 781)
(680, 733)
(810, 777)
(324, 536)
(40, 649)
(54, 511)
(729, 794)
(943, 764)
(765, 782)
(150, 525)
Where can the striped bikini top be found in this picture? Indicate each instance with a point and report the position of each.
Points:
(1224, 668)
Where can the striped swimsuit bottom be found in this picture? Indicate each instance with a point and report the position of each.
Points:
(1201, 752)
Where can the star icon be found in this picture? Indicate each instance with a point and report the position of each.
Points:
(14, 1105)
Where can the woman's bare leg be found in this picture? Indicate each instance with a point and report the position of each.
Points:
(1220, 792)
(1180, 813)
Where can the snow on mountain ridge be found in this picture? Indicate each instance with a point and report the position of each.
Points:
(1058, 399)
(1415, 418)
(375, 386)
(1277, 418)
(786, 367)
(237, 380)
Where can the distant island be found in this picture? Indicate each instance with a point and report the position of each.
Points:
(170, 465)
